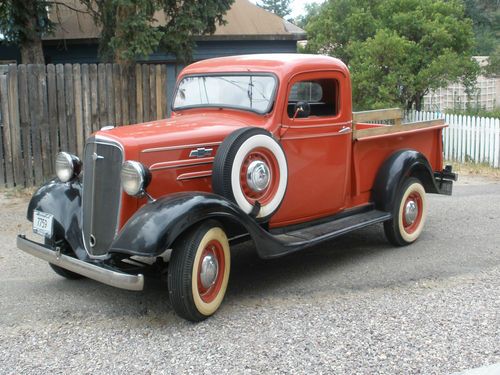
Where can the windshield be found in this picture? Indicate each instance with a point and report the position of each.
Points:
(242, 91)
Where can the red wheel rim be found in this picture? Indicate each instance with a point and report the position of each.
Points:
(266, 195)
(411, 227)
(214, 248)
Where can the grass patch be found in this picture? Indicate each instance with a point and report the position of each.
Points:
(494, 113)
(17, 192)
(473, 169)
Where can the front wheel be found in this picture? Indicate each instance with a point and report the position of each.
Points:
(198, 272)
(62, 271)
(408, 215)
(65, 273)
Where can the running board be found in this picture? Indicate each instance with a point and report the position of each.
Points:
(299, 239)
(334, 228)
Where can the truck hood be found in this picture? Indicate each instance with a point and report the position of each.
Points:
(181, 130)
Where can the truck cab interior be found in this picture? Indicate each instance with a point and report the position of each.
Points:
(320, 95)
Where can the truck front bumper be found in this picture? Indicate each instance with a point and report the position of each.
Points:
(93, 271)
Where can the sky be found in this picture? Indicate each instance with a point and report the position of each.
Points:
(298, 6)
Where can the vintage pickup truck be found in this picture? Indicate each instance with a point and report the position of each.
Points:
(260, 147)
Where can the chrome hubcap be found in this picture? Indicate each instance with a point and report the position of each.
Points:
(209, 271)
(258, 175)
(411, 212)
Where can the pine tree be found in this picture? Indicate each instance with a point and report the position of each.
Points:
(130, 30)
(23, 22)
(129, 27)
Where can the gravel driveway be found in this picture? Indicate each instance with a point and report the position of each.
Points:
(355, 305)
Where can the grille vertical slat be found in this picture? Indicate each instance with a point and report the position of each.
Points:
(101, 195)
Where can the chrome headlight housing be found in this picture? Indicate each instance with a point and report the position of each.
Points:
(135, 178)
(67, 166)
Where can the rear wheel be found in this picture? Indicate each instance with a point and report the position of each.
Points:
(408, 215)
(198, 272)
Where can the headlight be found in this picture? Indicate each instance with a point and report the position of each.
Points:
(67, 166)
(135, 177)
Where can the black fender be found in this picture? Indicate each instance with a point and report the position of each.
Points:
(156, 225)
(395, 169)
(64, 201)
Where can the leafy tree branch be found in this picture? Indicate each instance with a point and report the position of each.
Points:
(397, 50)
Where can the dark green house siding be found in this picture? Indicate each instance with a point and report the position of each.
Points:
(86, 52)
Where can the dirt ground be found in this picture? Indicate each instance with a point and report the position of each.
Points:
(353, 305)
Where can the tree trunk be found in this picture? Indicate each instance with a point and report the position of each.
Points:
(32, 52)
(27, 17)
(123, 12)
(418, 102)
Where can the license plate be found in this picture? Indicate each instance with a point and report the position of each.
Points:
(42, 223)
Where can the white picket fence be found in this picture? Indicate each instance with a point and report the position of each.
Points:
(467, 138)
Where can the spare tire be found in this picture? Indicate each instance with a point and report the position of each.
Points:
(250, 169)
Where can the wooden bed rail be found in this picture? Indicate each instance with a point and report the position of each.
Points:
(393, 129)
(395, 114)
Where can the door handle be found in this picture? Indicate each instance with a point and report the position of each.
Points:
(344, 129)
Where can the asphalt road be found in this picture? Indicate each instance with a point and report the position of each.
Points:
(355, 305)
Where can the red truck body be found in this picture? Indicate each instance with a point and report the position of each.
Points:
(261, 147)
(329, 171)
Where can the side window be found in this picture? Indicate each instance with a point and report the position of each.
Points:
(307, 91)
(322, 96)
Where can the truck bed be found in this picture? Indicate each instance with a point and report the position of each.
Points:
(374, 141)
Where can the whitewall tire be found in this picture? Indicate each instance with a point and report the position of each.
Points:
(198, 272)
(250, 168)
(409, 214)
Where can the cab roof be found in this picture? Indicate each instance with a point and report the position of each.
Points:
(281, 64)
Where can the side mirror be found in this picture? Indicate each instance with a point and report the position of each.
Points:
(301, 110)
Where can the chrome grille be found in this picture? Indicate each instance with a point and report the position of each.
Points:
(101, 194)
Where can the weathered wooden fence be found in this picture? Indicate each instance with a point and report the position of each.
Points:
(47, 108)
(467, 138)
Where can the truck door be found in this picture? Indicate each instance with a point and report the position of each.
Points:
(317, 144)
